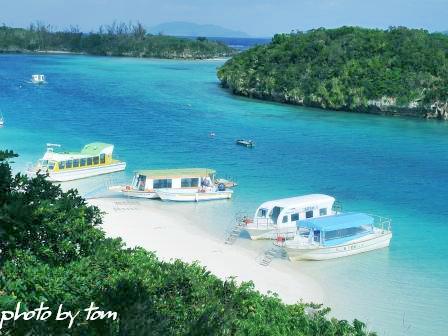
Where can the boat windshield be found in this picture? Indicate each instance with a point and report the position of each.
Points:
(343, 234)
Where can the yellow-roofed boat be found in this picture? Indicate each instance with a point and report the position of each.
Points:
(94, 159)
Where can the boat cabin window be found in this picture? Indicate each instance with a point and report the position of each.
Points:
(317, 236)
(323, 212)
(89, 161)
(285, 219)
(68, 163)
(43, 163)
(163, 183)
(61, 165)
(304, 232)
(76, 163)
(275, 213)
(102, 158)
(83, 162)
(262, 213)
(294, 217)
(189, 182)
(348, 232)
(51, 165)
(309, 214)
(96, 160)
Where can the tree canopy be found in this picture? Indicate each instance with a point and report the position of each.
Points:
(118, 39)
(53, 251)
(369, 70)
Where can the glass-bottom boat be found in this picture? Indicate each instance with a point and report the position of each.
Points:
(338, 236)
(188, 185)
(94, 159)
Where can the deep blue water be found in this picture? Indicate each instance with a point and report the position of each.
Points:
(159, 113)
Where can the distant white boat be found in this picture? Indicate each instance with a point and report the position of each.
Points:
(38, 79)
(2, 120)
(280, 217)
(338, 236)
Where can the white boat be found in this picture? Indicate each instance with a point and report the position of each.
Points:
(38, 79)
(2, 120)
(94, 159)
(338, 236)
(172, 182)
(279, 217)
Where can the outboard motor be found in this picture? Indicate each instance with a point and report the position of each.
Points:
(221, 187)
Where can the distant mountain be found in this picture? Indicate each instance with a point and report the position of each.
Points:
(193, 29)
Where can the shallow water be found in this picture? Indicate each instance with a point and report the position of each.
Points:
(159, 113)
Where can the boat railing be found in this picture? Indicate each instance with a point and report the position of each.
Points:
(382, 223)
(337, 207)
(261, 223)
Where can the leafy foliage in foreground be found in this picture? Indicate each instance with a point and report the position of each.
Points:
(52, 251)
(396, 70)
(114, 40)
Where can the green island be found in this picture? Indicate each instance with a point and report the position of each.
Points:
(52, 250)
(398, 71)
(118, 39)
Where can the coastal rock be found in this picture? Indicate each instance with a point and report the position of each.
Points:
(439, 110)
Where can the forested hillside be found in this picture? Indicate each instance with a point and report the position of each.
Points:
(114, 40)
(397, 71)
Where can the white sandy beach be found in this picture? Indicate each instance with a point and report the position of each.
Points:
(173, 236)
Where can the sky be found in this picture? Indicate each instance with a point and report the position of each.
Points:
(258, 18)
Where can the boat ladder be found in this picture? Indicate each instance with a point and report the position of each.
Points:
(235, 231)
(265, 258)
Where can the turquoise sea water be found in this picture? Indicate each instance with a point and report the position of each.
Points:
(159, 113)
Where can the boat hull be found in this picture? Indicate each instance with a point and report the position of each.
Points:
(193, 196)
(77, 174)
(270, 232)
(362, 245)
(134, 193)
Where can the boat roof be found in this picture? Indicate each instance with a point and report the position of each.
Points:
(298, 201)
(187, 172)
(94, 148)
(338, 222)
(91, 149)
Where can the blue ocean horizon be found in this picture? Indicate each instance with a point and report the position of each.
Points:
(159, 113)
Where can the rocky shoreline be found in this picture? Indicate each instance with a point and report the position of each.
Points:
(386, 106)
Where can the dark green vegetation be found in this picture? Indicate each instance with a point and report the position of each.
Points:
(115, 40)
(53, 251)
(394, 71)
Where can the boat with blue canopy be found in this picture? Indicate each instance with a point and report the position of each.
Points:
(338, 236)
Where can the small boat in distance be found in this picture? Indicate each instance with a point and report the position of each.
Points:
(168, 183)
(338, 236)
(279, 218)
(38, 79)
(245, 143)
(94, 159)
(2, 120)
